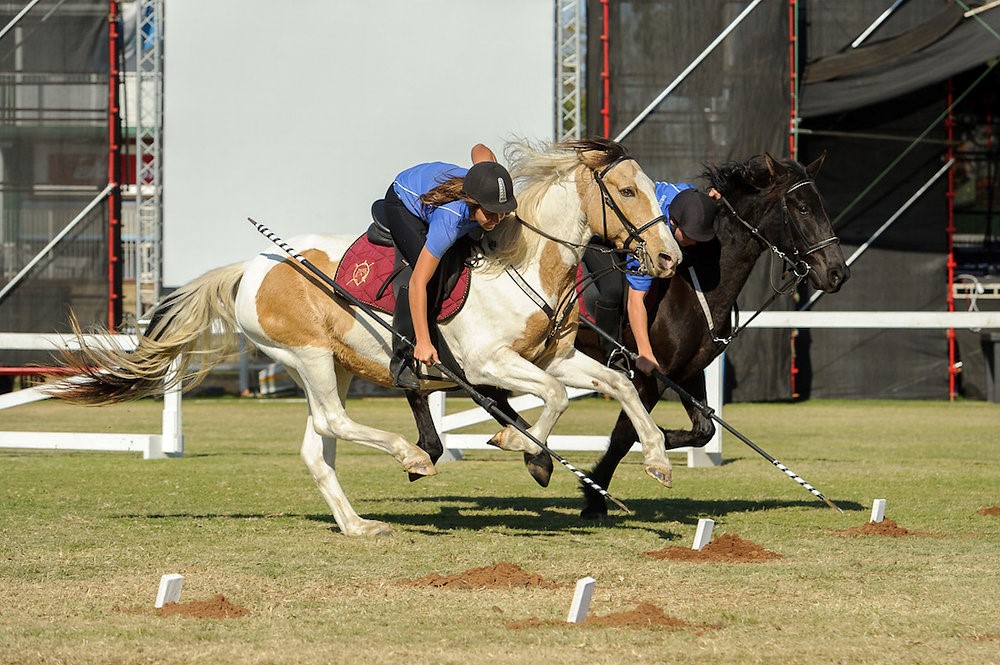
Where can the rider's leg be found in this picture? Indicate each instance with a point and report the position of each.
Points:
(611, 292)
(408, 234)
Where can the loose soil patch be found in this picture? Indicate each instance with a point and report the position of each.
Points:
(886, 527)
(992, 510)
(503, 575)
(726, 548)
(645, 615)
(216, 608)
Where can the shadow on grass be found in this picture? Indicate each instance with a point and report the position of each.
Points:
(537, 516)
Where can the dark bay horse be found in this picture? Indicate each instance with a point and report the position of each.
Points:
(770, 205)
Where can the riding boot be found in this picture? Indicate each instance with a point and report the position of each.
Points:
(608, 319)
(401, 364)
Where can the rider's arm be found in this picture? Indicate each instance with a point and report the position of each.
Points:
(639, 322)
(423, 271)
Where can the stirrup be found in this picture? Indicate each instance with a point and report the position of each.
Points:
(403, 376)
(619, 362)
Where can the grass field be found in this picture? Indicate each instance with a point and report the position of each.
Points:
(85, 537)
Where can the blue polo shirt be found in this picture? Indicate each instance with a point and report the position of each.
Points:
(445, 223)
(665, 193)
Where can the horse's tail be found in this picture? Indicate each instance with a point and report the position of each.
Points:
(196, 324)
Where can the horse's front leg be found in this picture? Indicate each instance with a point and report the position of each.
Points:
(582, 371)
(428, 438)
(506, 369)
(622, 437)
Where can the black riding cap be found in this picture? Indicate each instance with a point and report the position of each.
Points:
(694, 212)
(489, 184)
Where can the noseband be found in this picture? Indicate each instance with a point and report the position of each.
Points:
(634, 232)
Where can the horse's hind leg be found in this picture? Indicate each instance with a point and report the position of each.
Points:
(320, 454)
(326, 386)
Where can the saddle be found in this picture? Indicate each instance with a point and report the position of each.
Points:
(368, 269)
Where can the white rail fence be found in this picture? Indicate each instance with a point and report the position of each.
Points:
(168, 443)
(711, 454)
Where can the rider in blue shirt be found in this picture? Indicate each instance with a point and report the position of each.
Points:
(690, 215)
(428, 209)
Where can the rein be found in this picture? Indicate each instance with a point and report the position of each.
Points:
(567, 303)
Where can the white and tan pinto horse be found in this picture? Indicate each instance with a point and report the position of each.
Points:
(501, 337)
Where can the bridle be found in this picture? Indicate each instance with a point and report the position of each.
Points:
(796, 264)
(634, 232)
(559, 314)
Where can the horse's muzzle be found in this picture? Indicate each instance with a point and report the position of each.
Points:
(833, 279)
(666, 264)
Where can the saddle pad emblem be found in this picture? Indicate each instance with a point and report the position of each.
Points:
(361, 272)
(366, 269)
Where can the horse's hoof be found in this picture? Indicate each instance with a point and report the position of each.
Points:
(415, 476)
(662, 474)
(368, 528)
(594, 515)
(540, 467)
(421, 468)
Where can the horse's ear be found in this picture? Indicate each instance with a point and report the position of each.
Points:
(814, 168)
(774, 167)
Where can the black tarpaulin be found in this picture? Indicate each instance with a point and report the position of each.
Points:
(971, 43)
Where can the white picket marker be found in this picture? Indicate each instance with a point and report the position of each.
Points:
(170, 589)
(878, 510)
(581, 600)
(703, 535)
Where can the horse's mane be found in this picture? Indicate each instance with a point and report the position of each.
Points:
(534, 169)
(753, 176)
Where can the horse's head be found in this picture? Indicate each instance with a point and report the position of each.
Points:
(621, 206)
(782, 195)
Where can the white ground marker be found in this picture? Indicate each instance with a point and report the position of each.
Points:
(170, 589)
(703, 535)
(581, 600)
(878, 510)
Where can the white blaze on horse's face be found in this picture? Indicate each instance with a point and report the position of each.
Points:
(628, 215)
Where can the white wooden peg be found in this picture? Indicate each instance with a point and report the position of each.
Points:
(878, 510)
(581, 600)
(170, 589)
(703, 535)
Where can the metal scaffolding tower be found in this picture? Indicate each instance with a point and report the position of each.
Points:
(148, 154)
(570, 53)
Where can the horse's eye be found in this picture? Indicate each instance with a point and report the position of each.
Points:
(803, 208)
(628, 192)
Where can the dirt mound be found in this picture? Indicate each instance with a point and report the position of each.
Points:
(886, 527)
(645, 615)
(992, 510)
(727, 548)
(502, 575)
(217, 608)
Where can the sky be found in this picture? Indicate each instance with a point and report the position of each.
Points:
(299, 114)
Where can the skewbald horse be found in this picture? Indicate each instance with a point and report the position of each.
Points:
(506, 335)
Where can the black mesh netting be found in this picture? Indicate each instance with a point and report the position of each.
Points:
(736, 103)
(53, 163)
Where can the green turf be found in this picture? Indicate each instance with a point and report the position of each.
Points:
(85, 537)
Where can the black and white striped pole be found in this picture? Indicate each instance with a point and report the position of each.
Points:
(482, 400)
(710, 412)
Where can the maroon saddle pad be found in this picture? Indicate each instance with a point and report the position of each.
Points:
(366, 268)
